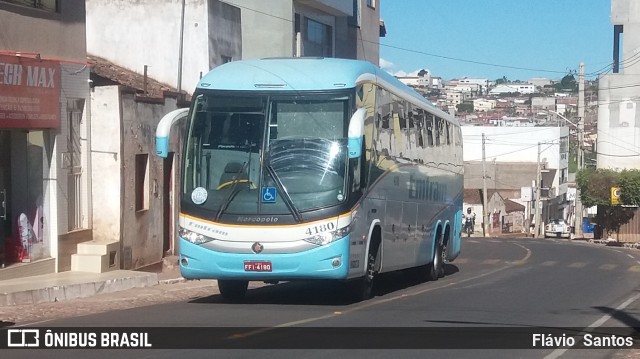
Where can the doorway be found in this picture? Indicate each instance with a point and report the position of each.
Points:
(7, 252)
(167, 199)
(22, 218)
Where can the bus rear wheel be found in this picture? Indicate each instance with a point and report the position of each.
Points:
(232, 290)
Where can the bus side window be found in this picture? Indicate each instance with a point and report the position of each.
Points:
(400, 110)
(412, 118)
(436, 127)
(448, 130)
(419, 122)
(430, 125)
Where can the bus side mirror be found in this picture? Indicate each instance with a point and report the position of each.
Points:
(356, 133)
(164, 130)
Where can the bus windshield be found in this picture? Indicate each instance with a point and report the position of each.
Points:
(302, 166)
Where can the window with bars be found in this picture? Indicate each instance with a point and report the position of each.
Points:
(74, 155)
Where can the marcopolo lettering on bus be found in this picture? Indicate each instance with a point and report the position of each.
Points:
(243, 219)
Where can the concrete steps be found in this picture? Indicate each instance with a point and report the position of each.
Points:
(96, 257)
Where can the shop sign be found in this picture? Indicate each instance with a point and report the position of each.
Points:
(615, 196)
(29, 93)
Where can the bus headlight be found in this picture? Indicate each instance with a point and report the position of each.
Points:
(328, 237)
(193, 237)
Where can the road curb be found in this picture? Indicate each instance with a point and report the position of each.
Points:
(46, 292)
(172, 281)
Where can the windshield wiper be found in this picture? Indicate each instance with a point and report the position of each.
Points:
(285, 194)
(234, 185)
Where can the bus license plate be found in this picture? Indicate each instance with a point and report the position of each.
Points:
(255, 266)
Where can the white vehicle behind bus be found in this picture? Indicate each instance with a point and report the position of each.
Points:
(557, 228)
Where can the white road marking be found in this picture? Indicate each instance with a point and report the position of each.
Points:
(608, 266)
(577, 265)
(558, 352)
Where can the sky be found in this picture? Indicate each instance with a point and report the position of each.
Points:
(516, 39)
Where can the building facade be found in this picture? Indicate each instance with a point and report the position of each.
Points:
(180, 41)
(178, 49)
(618, 140)
(44, 122)
(189, 38)
(513, 144)
(618, 105)
(511, 156)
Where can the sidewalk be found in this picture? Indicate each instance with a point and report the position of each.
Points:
(57, 287)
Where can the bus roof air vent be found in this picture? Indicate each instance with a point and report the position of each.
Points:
(270, 85)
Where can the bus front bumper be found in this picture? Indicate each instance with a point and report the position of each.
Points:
(330, 261)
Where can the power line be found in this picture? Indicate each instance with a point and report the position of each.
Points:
(506, 153)
(449, 57)
(465, 60)
(541, 128)
(260, 12)
(612, 155)
(635, 57)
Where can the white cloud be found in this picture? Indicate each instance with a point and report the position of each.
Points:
(401, 73)
(386, 65)
(389, 67)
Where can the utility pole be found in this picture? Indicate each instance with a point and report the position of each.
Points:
(181, 47)
(577, 225)
(484, 191)
(538, 202)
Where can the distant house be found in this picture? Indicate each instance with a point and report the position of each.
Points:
(539, 81)
(567, 105)
(422, 79)
(483, 105)
(473, 199)
(482, 83)
(514, 220)
(496, 210)
(522, 88)
(437, 83)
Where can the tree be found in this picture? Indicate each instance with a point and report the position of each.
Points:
(503, 80)
(630, 187)
(465, 107)
(595, 190)
(567, 84)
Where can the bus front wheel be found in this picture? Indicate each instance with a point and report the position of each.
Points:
(363, 288)
(233, 290)
(436, 268)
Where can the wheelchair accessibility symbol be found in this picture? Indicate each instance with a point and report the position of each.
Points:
(269, 194)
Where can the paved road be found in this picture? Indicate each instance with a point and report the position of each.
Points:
(496, 283)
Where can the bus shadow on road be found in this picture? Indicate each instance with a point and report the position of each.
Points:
(329, 293)
(396, 281)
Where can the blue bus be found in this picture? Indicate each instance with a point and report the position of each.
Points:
(314, 168)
